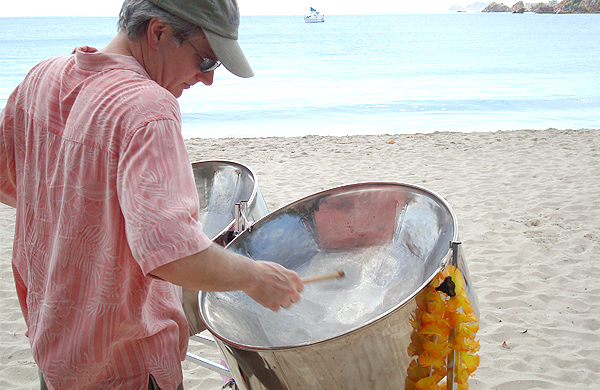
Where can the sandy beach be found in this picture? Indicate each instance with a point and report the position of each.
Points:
(528, 208)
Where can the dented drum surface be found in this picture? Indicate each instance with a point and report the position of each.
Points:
(390, 239)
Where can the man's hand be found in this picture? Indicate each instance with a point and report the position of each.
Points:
(275, 286)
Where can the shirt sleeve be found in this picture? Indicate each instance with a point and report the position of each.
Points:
(158, 196)
(8, 187)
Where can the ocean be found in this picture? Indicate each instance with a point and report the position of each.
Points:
(369, 74)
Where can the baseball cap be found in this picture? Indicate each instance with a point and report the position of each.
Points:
(220, 20)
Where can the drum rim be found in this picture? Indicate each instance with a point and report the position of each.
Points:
(443, 262)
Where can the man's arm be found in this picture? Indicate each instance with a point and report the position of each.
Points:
(217, 269)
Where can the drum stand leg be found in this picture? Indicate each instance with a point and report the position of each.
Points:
(450, 385)
(216, 367)
(241, 222)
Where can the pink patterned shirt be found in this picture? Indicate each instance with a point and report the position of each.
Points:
(92, 156)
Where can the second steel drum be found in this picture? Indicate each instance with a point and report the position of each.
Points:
(221, 184)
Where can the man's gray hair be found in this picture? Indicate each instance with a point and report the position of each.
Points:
(135, 15)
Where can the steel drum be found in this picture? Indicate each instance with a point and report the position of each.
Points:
(221, 184)
(390, 239)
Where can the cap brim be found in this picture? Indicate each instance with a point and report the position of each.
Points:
(229, 52)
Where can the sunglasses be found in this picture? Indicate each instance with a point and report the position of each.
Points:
(207, 65)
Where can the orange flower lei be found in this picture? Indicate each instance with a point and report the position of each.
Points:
(444, 329)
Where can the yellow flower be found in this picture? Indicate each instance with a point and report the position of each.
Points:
(460, 303)
(436, 318)
(431, 325)
(429, 383)
(416, 371)
(471, 327)
(465, 343)
(436, 305)
(469, 361)
(459, 282)
(416, 345)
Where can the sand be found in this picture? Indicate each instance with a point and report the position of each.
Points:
(528, 209)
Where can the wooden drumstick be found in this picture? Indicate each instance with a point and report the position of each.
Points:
(336, 274)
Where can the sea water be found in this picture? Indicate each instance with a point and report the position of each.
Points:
(369, 74)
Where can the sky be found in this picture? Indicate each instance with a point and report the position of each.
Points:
(247, 7)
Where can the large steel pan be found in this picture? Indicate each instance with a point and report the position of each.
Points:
(390, 239)
(221, 184)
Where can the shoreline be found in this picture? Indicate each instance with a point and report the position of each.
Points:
(528, 213)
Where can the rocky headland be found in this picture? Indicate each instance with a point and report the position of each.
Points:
(563, 7)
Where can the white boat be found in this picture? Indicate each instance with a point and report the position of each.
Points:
(314, 16)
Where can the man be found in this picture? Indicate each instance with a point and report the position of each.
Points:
(92, 157)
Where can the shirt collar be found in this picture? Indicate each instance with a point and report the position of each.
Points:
(89, 58)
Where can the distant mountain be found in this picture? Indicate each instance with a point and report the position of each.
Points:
(564, 7)
(578, 6)
(475, 7)
(496, 7)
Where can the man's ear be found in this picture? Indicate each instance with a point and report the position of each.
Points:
(156, 32)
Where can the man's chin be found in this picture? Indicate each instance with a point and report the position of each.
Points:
(177, 93)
